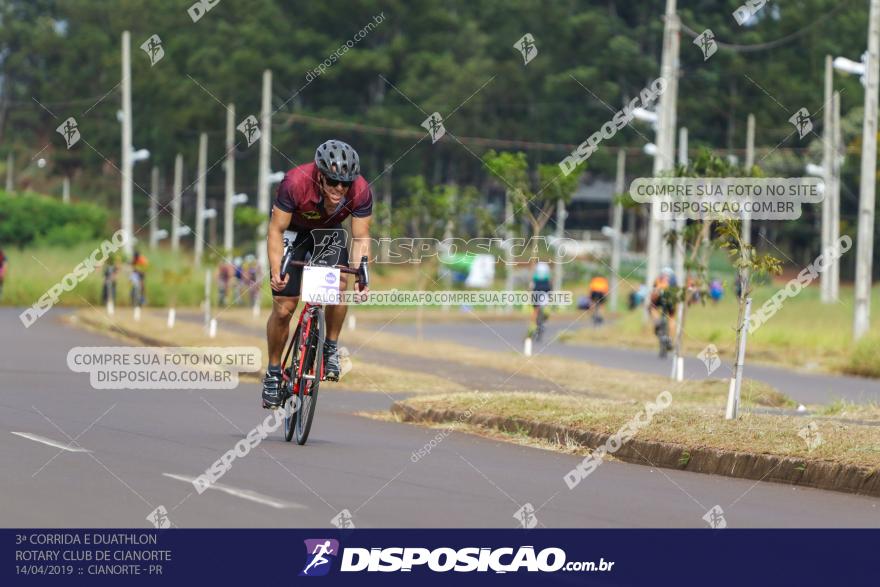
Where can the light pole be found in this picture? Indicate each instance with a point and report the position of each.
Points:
(176, 203)
(154, 206)
(665, 140)
(867, 191)
(617, 229)
(127, 163)
(201, 188)
(229, 192)
(265, 164)
(229, 228)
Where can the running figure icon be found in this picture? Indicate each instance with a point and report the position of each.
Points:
(320, 552)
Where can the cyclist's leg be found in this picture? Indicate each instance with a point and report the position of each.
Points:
(336, 314)
(327, 252)
(331, 248)
(278, 326)
(284, 303)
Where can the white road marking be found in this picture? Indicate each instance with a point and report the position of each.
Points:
(50, 442)
(242, 493)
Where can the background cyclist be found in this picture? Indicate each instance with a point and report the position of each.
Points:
(312, 201)
(663, 304)
(598, 292)
(540, 285)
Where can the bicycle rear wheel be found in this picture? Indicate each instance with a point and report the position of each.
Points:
(312, 337)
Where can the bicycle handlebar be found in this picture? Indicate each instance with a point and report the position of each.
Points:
(361, 273)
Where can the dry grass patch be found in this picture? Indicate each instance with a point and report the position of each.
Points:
(574, 375)
(687, 425)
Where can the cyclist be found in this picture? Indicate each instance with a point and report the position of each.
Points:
(662, 304)
(139, 264)
(224, 276)
(540, 286)
(312, 201)
(716, 290)
(598, 292)
(111, 270)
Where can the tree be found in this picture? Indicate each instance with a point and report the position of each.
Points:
(429, 213)
(535, 206)
(699, 236)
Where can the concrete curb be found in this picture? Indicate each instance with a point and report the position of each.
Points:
(760, 467)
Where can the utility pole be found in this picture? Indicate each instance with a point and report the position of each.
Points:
(264, 171)
(508, 249)
(212, 223)
(865, 239)
(827, 155)
(558, 273)
(201, 187)
(228, 236)
(176, 203)
(65, 190)
(127, 162)
(10, 170)
(617, 229)
(678, 257)
(154, 206)
(750, 162)
(665, 142)
(834, 194)
(384, 249)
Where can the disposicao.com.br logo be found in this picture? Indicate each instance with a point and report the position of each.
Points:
(441, 560)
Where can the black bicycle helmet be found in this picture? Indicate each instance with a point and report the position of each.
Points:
(336, 154)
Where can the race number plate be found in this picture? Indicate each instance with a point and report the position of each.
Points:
(320, 285)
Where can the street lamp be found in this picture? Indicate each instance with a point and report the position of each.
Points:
(161, 233)
(276, 177)
(239, 199)
(645, 115)
(140, 155)
(849, 66)
(650, 149)
(813, 169)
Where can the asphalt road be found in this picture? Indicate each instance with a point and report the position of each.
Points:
(137, 450)
(507, 335)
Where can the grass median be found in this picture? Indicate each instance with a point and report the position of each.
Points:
(816, 449)
(804, 333)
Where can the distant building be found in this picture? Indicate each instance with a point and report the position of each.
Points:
(590, 205)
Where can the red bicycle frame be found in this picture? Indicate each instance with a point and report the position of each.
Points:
(301, 323)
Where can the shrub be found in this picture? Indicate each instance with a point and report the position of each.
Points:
(28, 218)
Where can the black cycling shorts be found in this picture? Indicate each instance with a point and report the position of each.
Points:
(320, 246)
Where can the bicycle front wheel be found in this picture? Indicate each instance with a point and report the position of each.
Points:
(312, 337)
(290, 367)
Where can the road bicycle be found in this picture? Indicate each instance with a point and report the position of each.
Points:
(302, 365)
(661, 328)
(539, 300)
(538, 329)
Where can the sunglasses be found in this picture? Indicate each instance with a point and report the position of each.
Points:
(333, 183)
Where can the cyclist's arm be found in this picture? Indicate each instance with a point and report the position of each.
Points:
(278, 223)
(360, 231)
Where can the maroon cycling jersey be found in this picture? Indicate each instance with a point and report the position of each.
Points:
(299, 194)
